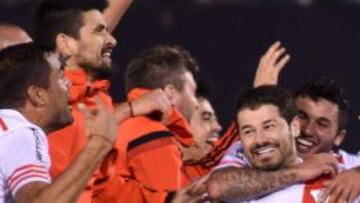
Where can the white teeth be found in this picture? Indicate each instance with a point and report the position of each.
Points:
(107, 54)
(264, 150)
(305, 142)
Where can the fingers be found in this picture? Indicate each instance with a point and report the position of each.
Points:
(272, 60)
(334, 194)
(323, 196)
(270, 65)
(327, 161)
(155, 100)
(198, 186)
(337, 192)
(352, 196)
(165, 106)
(330, 169)
(283, 61)
(100, 107)
(344, 195)
(270, 52)
(277, 59)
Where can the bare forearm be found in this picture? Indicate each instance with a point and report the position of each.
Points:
(71, 183)
(122, 112)
(115, 11)
(245, 183)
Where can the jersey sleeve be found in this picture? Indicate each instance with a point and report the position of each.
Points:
(25, 159)
(155, 161)
(353, 161)
(234, 157)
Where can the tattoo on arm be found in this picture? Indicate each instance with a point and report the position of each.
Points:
(247, 183)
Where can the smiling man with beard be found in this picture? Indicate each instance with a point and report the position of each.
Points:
(79, 31)
(322, 118)
(268, 123)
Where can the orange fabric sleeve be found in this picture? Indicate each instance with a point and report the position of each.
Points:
(157, 164)
(148, 164)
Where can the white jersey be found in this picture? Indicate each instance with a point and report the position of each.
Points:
(24, 156)
(298, 193)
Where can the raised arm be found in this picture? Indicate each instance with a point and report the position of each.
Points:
(115, 11)
(155, 100)
(270, 65)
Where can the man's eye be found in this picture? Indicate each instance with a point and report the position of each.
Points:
(324, 125)
(268, 127)
(247, 132)
(206, 118)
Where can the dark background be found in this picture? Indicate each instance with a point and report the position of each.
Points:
(228, 38)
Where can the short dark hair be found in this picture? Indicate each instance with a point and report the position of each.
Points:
(158, 67)
(327, 88)
(62, 16)
(269, 94)
(20, 67)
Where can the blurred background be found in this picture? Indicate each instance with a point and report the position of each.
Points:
(228, 37)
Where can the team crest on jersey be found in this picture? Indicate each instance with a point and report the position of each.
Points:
(317, 195)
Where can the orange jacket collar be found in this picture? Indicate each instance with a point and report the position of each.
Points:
(176, 122)
(81, 87)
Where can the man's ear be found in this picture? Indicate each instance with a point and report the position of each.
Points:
(295, 126)
(65, 45)
(36, 96)
(170, 92)
(339, 137)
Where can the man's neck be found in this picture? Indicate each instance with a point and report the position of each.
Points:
(34, 117)
(70, 65)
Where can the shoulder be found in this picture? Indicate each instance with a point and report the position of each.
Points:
(234, 157)
(24, 136)
(136, 127)
(349, 160)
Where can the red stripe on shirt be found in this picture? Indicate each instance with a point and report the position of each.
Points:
(44, 177)
(25, 168)
(25, 173)
(3, 125)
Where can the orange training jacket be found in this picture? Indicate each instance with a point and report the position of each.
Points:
(148, 167)
(65, 144)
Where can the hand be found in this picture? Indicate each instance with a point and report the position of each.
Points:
(345, 187)
(156, 100)
(270, 65)
(99, 122)
(193, 193)
(316, 166)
